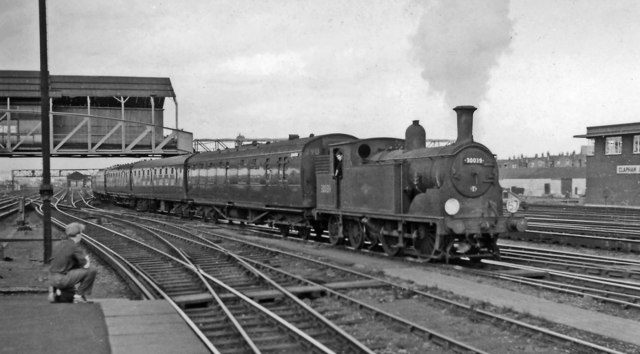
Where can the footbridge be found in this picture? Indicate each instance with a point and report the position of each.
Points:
(90, 116)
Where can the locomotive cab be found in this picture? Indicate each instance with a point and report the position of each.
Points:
(353, 185)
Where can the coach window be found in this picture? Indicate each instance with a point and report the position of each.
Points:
(203, 175)
(613, 145)
(226, 172)
(636, 144)
(190, 176)
(243, 172)
(255, 172)
(232, 173)
(211, 174)
(267, 171)
(279, 170)
(220, 173)
(285, 162)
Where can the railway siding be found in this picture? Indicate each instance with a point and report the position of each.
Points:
(609, 326)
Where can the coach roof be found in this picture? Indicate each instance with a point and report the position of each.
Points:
(288, 146)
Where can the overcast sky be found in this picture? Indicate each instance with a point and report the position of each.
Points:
(539, 71)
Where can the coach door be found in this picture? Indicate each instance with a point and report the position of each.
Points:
(328, 180)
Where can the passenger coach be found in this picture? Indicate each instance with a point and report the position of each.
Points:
(272, 183)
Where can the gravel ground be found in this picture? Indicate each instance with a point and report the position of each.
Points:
(22, 268)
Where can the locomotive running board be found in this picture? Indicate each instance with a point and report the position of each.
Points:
(394, 217)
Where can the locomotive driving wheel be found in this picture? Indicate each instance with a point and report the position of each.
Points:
(371, 233)
(335, 231)
(356, 234)
(389, 243)
(426, 242)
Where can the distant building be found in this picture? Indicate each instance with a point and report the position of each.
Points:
(613, 169)
(77, 179)
(562, 175)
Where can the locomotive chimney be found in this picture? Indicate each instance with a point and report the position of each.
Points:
(465, 123)
(415, 137)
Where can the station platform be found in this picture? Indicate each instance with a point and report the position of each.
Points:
(30, 324)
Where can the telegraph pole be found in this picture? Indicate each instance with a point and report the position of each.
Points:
(46, 191)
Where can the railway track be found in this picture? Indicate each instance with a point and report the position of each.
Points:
(618, 268)
(611, 228)
(302, 269)
(178, 279)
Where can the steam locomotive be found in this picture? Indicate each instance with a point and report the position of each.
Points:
(437, 203)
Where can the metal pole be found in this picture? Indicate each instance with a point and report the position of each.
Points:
(46, 191)
(175, 101)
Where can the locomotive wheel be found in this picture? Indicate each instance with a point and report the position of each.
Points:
(335, 232)
(425, 244)
(371, 235)
(390, 244)
(356, 234)
(284, 230)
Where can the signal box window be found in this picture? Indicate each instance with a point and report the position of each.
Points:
(613, 145)
(636, 144)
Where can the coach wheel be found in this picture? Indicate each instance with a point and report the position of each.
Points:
(390, 244)
(304, 232)
(356, 234)
(496, 252)
(335, 232)
(425, 243)
(284, 230)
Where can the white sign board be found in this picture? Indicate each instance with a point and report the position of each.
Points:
(628, 169)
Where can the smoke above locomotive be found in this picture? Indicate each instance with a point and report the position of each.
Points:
(396, 195)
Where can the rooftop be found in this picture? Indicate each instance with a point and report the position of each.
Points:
(26, 84)
(611, 130)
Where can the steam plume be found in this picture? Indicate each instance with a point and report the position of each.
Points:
(458, 42)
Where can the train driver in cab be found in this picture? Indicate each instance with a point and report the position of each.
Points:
(337, 163)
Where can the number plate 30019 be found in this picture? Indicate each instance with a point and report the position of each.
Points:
(469, 160)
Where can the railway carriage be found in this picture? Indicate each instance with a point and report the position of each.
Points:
(118, 184)
(263, 184)
(98, 184)
(159, 184)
